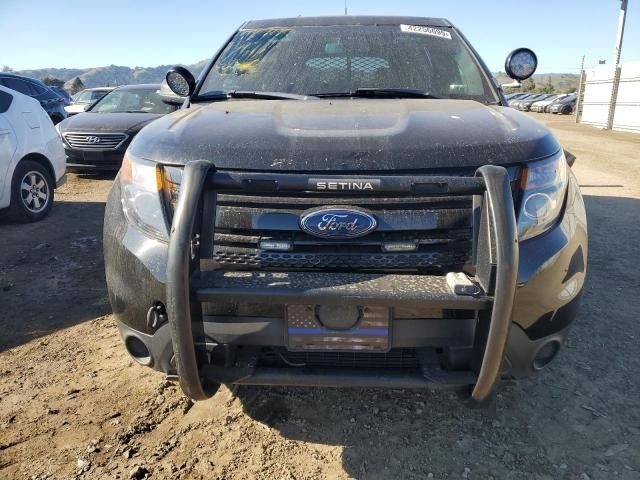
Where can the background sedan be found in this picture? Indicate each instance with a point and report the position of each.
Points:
(98, 138)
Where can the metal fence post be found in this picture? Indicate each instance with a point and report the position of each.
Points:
(580, 93)
(616, 62)
(614, 96)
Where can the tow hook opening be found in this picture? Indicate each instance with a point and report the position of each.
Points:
(546, 354)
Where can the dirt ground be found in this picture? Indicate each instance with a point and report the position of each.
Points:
(72, 404)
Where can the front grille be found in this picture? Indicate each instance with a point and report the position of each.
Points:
(394, 358)
(438, 226)
(95, 141)
(430, 260)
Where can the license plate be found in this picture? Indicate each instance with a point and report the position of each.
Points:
(93, 156)
(372, 333)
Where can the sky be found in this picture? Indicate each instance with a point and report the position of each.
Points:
(148, 33)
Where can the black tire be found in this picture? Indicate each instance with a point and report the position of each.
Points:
(566, 110)
(27, 202)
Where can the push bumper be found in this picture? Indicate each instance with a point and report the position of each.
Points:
(189, 283)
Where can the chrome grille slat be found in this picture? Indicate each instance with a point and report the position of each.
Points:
(85, 141)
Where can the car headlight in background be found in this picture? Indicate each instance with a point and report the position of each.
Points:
(141, 186)
(543, 185)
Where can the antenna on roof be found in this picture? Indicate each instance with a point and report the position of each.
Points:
(345, 8)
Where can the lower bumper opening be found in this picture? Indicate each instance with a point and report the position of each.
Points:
(398, 368)
(138, 350)
(546, 354)
(405, 358)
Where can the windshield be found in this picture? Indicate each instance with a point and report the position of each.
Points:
(140, 100)
(97, 95)
(343, 59)
(83, 97)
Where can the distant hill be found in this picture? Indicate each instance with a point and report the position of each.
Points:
(562, 82)
(114, 75)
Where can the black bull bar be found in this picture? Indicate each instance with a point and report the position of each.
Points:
(495, 256)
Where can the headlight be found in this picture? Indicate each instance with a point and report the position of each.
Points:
(141, 184)
(171, 180)
(543, 186)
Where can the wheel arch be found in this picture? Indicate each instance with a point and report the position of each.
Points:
(42, 160)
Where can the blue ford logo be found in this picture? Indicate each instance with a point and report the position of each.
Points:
(338, 223)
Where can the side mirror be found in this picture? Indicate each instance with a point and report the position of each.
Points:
(181, 81)
(167, 95)
(521, 64)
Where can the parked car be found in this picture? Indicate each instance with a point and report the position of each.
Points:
(62, 93)
(525, 105)
(515, 103)
(98, 138)
(51, 101)
(375, 217)
(565, 106)
(83, 100)
(32, 163)
(512, 97)
(547, 108)
(540, 105)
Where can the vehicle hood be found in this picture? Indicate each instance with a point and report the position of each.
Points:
(107, 122)
(345, 135)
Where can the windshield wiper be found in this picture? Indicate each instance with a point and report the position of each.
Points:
(250, 94)
(381, 92)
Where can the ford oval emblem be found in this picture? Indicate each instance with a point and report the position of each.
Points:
(337, 223)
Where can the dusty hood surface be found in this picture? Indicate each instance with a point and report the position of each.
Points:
(107, 122)
(345, 135)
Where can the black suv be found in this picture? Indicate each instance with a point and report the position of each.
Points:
(345, 201)
(52, 102)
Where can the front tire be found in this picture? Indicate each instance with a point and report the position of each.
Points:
(31, 192)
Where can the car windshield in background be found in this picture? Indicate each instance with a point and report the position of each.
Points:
(88, 96)
(567, 99)
(343, 59)
(137, 100)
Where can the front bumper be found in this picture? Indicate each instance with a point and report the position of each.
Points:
(61, 181)
(549, 279)
(105, 160)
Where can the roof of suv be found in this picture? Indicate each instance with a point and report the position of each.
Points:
(346, 20)
(22, 77)
(98, 89)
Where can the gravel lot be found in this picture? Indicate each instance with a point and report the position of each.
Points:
(72, 404)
